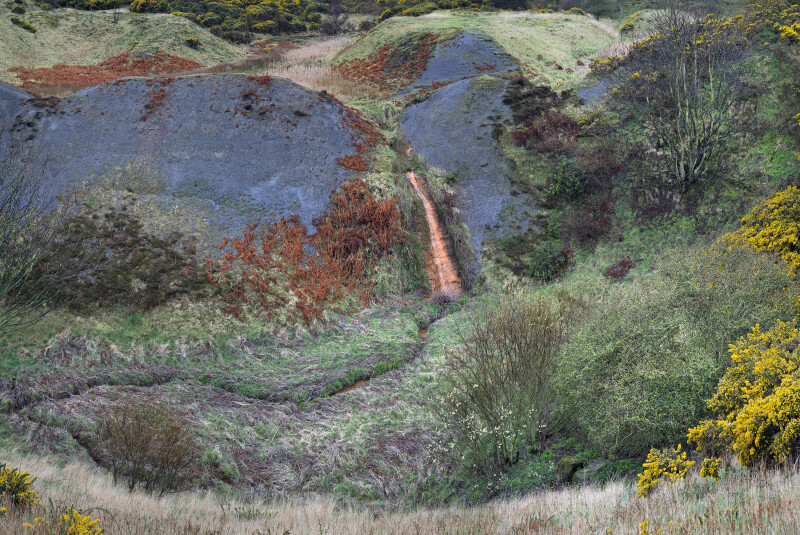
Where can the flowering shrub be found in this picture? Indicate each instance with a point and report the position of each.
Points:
(710, 468)
(498, 382)
(22, 24)
(773, 225)
(668, 463)
(192, 42)
(757, 403)
(73, 522)
(16, 486)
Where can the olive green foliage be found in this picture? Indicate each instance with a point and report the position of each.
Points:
(131, 267)
(149, 444)
(566, 180)
(498, 387)
(237, 21)
(637, 372)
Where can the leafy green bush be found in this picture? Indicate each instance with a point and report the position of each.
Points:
(566, 180)
(497, 381)
(637, 372)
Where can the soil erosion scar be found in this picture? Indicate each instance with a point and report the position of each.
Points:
(445, 278)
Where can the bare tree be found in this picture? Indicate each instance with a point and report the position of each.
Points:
(681, 86)
(35, 264)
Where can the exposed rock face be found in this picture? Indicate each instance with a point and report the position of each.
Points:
(453, 130)
(466, 55)
(247, 147)
(11, 99)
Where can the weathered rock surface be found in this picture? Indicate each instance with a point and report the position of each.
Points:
(466, 55)
(248, 147)
(11, 99)
(453, 130)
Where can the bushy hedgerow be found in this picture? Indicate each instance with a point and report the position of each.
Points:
(637, 372)
(757, 402)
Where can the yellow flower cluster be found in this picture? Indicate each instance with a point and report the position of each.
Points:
(757, 402)
(72, 522)
(710, 468)
(16, 486)
(773, 225)
(667, 463)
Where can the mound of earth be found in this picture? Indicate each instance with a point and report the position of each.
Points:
(453, 130)
(233, 147)
(416, 62)
(466, 55)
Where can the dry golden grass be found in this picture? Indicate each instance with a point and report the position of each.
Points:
(310, 67)
(758, 502)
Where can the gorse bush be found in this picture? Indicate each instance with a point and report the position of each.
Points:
(73, 522)
(668, 463)
(636, 373)
(757, 404)
(774, 225)
(282, 267)
(15, 486)
(498, 379)
(149, 444)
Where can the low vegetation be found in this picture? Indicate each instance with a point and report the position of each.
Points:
(305, 381)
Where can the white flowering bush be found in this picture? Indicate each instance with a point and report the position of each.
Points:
(497, 381)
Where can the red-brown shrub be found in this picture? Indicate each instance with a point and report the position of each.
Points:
(619, 271)
(317, 269)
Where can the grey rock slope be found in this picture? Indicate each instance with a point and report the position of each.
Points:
(247, 147)
(453, 130)
(11, 102)
(466, 55)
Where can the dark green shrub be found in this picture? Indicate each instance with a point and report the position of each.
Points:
(22, 24)
(365, 25)
(130, 266)
(19, 10)
(550, 259)
(387, 13)
(566, 180)
(637, 372)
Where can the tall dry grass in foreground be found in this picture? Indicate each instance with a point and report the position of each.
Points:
(757, 502)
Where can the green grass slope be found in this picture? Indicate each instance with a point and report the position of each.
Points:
(538, 41)
(87, 38)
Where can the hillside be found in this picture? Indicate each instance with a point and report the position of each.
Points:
(457, 273)
(88, 38)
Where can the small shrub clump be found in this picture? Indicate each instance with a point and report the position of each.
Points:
(72, 521)
(22, 24)
(15, 486)
(756, 402)
(149, 444)
(710, 468)
(668, 463)
(192, 42)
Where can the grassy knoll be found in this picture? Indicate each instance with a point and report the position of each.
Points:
(87, 38)
(537, 41)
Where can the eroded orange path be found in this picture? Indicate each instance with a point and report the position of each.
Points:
(445, 277)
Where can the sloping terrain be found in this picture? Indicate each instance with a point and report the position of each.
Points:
(234, 147)
(453, 130)
(546, 46)
(87, 38)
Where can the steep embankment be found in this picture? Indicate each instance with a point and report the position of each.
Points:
(453, 130)
(224, 148)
